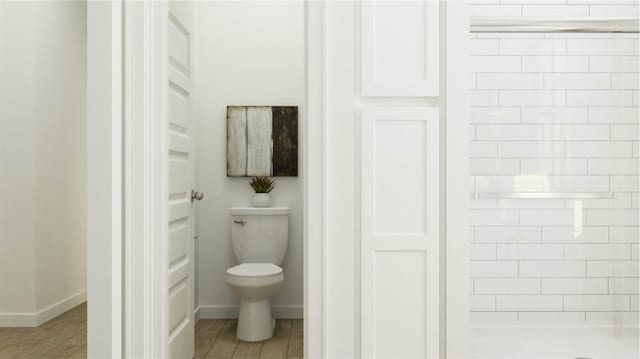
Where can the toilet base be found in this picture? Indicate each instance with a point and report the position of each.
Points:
(255, 322)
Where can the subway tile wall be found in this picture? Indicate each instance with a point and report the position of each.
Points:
(555, 8)
(555, 113)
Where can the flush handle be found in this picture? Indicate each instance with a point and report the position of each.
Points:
(241, 222)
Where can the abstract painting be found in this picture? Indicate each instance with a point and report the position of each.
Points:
(262, 141)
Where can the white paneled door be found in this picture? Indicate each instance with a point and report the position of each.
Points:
(181, 178)
(400, 232)
(400, 48)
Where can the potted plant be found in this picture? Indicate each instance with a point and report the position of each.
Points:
(261, 186)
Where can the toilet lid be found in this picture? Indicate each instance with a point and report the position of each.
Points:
(254, 269)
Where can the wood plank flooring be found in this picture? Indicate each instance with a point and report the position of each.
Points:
(216, 338)
(66, 337)
(62, 337)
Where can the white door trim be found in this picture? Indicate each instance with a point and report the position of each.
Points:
(104, 179)
(455, 70)
(314, 185)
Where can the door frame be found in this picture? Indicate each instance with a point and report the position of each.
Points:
(126, 274)
(126, 313)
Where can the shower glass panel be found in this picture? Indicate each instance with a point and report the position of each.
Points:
(554, 189)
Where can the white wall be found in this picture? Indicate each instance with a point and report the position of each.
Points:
(246, 53)
(17, 158)
(43, 161)
(556, 8)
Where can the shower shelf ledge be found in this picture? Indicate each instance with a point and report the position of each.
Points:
(543, 195)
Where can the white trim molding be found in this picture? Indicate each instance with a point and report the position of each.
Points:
(44, 315)
(104, 179)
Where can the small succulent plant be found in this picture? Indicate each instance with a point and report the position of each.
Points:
(261, 184)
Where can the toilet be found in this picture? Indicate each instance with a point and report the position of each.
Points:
(259, 238)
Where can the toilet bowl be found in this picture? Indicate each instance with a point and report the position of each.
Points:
(259, 238)
(254, 283)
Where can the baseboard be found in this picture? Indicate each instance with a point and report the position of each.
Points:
(43, 316)
(231, 312)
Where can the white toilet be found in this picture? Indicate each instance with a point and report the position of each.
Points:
(259, 237)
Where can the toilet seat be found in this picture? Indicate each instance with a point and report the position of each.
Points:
(254, 270)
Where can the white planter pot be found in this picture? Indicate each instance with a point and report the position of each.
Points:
(261, 200)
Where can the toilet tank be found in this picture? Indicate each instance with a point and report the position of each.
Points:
(259, 235)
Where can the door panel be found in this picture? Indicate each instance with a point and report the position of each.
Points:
(181, 179)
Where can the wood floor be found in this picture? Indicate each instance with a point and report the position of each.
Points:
(66, 337)
(216, 338)
(61, 337)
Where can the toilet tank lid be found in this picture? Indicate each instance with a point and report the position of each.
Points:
(255, 211)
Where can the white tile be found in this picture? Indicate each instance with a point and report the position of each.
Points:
(527, 203)
(485, 268)
(614, 64)
(496, 64)
(599, 149)
(484, 47)
(517, 81)
(597, 251)
(614, 115)
(482, 251)
(483, 203)
(530, 149)
(616, 166)
(484, 98)
(495, 115)
(625, 132)
(624, 285)
(529, 303)
(636, 149)
(509, 132)
(549, 217)
(497, 217)
(576, 132)
(625, 81)
(517, 234)
(554, 115)
(555, 64)
(530, 251)
(613, 269)
(577, 81)
(554, 166)
(546, 318)
(617, 217)
(614, 10)
(552, 268)
(576, 184)
(555, 10)
(635, 200)
(625, 183)
(599, 98)
(533, 47)
(483, 149)
(495, 10)
(593, 303)
(624, 234)
(536, 98)
(507, 285)
(621, 200)
(571, 234)
(494, 317)
(574, 286)
(482, 166)
(519, 183)
(635, 303)
(599, 47)
(482, 303)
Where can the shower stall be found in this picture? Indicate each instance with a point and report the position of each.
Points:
(555, 189)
